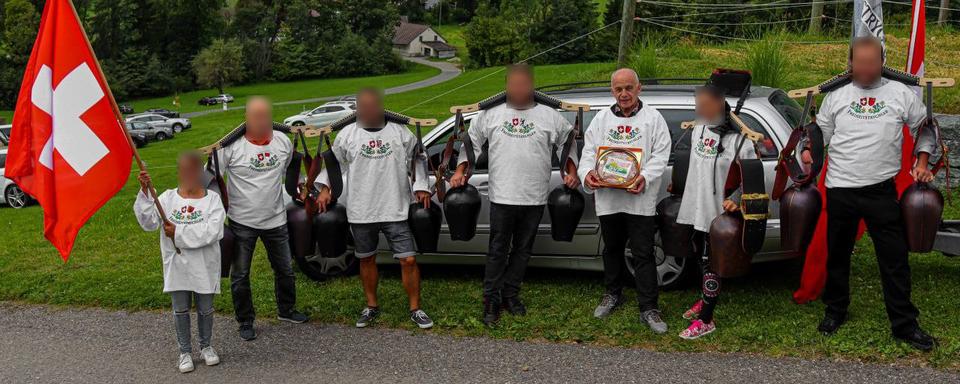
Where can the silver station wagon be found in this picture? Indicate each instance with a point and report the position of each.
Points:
(767, 110)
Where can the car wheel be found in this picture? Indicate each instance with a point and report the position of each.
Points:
(161, 136)
(15, 197)
(177, 128)
(319, 268)
(672, 272)
(297, 124)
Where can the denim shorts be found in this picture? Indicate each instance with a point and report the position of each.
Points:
(367, 236)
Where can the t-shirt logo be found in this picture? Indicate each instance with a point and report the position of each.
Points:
(867, 108)
(263, 162)
(623, 134)
(518, 127)
(187, 214)
(707, 147)
(375, 149)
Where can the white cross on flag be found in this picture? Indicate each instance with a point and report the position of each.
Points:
(67, 147)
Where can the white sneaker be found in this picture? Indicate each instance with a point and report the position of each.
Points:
(186, 363)
(209, 356)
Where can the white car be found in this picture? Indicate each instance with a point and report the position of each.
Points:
(224, 98)
(162, 123)
(5, 134)
(10, 193)
(323, 115)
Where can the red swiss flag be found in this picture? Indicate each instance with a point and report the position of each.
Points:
(67, 147)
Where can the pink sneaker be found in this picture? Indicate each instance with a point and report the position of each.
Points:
(696, 329)
(694, 311)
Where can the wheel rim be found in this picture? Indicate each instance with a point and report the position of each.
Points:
(16, 198)
(177, 128)
(669, 268)
(298, 124)
(332, 266)
(161, 137)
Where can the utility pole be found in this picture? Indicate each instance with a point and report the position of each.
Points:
(816, 17)
(944, 13)
(626, 31)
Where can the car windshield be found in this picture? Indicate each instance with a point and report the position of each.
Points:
(789, 109)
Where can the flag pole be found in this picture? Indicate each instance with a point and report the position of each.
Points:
(122, 122)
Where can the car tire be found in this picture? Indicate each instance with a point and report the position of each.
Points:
(297, 124)
(15, 197)
(177, 128)
(672, 272)
(162, 136)
(319, 268)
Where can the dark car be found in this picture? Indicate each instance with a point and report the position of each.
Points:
(163, 112)
(126, 108)
(208, 101)
(139, 139)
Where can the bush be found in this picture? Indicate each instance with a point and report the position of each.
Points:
(768, 61)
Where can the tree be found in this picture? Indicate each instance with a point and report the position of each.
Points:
(220, 64)
(414, 10)
(20, 24)
(561, 21)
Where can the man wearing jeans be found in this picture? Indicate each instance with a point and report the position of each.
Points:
(255, 166)
(521, 136)
(627, 215)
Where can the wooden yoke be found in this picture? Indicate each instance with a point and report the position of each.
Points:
(501, 98)
(240, 130)
(889, 73)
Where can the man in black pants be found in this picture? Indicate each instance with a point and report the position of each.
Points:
(862, 125)
(521, 135)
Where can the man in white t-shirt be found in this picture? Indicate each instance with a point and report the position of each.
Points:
(862, 125)
(254, 166)
(522, 136)
(628, 215)
(375, 156)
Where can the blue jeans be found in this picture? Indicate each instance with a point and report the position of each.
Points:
(181, 318)
(277, 243)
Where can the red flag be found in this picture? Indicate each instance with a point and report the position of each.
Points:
(67, 147)
(815, 266)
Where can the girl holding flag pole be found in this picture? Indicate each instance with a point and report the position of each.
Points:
(195, 222)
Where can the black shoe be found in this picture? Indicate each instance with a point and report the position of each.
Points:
(514, 306)
(247, 333)
(367, 316)
(491, 311)
(918, 339)
(294, 317)
(831, 323)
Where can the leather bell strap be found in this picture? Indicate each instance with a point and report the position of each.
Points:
(459, 134)
(754, 201)
(933, 125)
(568, 146)
(329, 161)
(420, 152)
(787, 164)
(291, 181)
(221, 184)
(681, 166)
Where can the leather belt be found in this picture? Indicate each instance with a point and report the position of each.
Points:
(570, 143)
(754, 201)
(460, 133)
(787, 164)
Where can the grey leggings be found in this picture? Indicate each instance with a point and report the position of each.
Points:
(181, 316)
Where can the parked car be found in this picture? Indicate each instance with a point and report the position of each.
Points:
(5, 134)
(176, 124)
(163, 112)
(767, 110)
(125, 109)
(322, 115)
(224, 98)
(139, 136)
(150, 132)
(207, 100)
(10, 192)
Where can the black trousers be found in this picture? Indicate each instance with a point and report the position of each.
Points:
(618, 230)
(877, 205)
(512, 231)
(277, 243)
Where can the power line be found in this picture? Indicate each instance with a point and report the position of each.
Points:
(928, 6)
(771, 8)
(739, 38)
(751, 23)
(740, 6)
(502, 69)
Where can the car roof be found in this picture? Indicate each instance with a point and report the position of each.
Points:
(145, 115)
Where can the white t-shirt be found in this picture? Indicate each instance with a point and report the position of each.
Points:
(376, 164)
(646, 130)
(700, 205)
(255, 181)
(199, 225)
(863, 128)
(521, 146)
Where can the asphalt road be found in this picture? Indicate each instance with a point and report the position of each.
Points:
(447, 72)
(51, 345)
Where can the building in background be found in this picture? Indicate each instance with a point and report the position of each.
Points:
(411, 39)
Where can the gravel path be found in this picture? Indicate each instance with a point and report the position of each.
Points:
(447, 72)
(51, 345)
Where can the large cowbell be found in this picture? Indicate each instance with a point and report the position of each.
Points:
(800, 208)
(300, 229)
(566, 208)
(461, 207)
(727, 257)
(425, 224)
(676, 239)
(330, 229)
(922, 208)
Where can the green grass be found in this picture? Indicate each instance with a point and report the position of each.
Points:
(297, 90)
(116, 265)
(454, 35)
